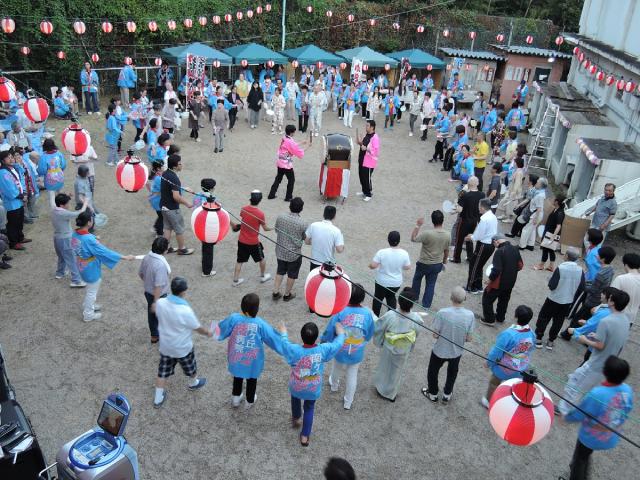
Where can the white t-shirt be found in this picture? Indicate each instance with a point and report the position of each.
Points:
(168, 95)
(629, 283)
(392, 261)
(176, 322)
(325, 237)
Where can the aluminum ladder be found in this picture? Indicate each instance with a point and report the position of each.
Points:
(542, 141)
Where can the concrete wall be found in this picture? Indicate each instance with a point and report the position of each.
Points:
(517, 65)
(614, 22)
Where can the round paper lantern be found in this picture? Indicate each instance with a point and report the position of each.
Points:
(244, 62)
(343, 65)
(259, 9)
(107, 27)
(227, 17)
(153, 26)
(449, 67)
(36, 109)
(446, 33)
(95, 58)
(420, 28)
(351, 17)
(239, 15)
(61, 55)
(158, 62)
(210, 222)
(249, 13)
(610, 80)
(320, 65)
(7, 90)
(429, 67)
(171, 24)
(267, 7)
(309, 9)
(295, 63)
(216, 19)
(600, 76)
(586, 64)
(581, 56)
(500, 38)
(472, 35)
(75, 139)
(521, 412)
(8, 25)
(131, 174)
(216, 64)
(79, 27)
(529, 39)
(576, 50)
(329, 13)
(396, 26)
(131, 26)
(203, 21)
(387, 67)
(187, 22)
(46, 27)
(559, 40)
(270, 63)
(326, 291)
(128, 60)
(365, 67)
(593, 69)
(467, 67)
(620, 84)
(25, 50)
(372, 22)
(629, 87)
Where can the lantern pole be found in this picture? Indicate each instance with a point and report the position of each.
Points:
(284, 24)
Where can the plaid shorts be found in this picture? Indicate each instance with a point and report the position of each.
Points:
(168, 364)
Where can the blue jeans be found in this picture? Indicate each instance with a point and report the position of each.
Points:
(66, 259)
(91, 101)
(430, 273)
(296, 412)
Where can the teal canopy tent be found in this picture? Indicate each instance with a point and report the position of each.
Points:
(419, 58)
(368, 56)
(254, 54)
(179, 54)
(309, 54)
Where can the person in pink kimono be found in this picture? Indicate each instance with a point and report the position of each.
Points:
(368, 159)
(288, 149)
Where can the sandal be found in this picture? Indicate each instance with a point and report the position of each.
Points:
(550, 269)
(304, 443)
(538, 267)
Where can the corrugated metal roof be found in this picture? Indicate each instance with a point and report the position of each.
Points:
(479, 54)
(533, 51)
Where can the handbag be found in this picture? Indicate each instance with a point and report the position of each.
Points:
(550, 241)
(518, 210)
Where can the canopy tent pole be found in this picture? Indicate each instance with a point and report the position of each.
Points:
(284, 25)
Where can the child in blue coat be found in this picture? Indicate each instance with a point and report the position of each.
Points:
(245, 352)
(391, 104)
(358, 324)
(112, 136)
(307, 366)
(51, 165)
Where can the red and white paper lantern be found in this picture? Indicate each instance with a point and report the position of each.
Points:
(239, 15)
(95, 58)
(216, 19)
(8, 25)
(36, 109)
(210, 222)
(7, 90)
(610, 80)
(629, 86)
(295, 63)
(61, 55)
(46, 27)
(216, 64)
(228, 17)
(107, 27)
(446, 33)
(620, 84)
(521, 412)
(203, 21)
(365, 67)
(131, 174)
(128, 60)
(343, 65)
(131, 26)
(75, 139)
(467, 67)
(153, 25)
(420, 28)
(329, 13)
(249, 13)
(79, 27)
(187, 22)
(171, 24)
(372, 22)
(586, 64)
(593, 69)
(320, 65)
(529, 39)
(559, 40)
(326, 291)
(158, 62)
(581, 56)
(387, 67)
(395, 26)
(472, 35)
(259, 9)
(270, 63)
(25, 50)
(267, 7)
(576, 50)
(244, 62)
(500, 38)
(600, 75)
(449, 66)
(429, 67)
(351, 17)
(309, 9)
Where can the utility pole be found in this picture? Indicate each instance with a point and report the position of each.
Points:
(510, 34)
(284, 23)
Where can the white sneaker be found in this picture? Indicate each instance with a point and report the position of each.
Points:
(265, 278)
(97, 307)
(198, 140)
(411, 134)
(213, 272)
(60, 277)
(240, 281)
(360, 194)
(367, 199)
(485, 403)
(346, 405)
(317, 133)
(236, 400)
(334, 386)
(79, 284)
(89, 113)
(98, 113)
(248, 405)
(96, 316)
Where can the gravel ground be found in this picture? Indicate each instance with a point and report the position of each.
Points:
(62, 368)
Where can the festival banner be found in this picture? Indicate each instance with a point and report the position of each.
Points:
(356, 70)
(405, 67)
(195, 72)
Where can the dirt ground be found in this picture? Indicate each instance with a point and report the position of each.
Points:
(62, 368)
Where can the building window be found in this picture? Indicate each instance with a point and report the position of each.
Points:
(490, 73)
(508, 74)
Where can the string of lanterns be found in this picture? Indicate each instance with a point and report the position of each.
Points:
(602, 75)
(584, 148)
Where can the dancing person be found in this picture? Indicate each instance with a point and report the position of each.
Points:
(176, 323)
(452, 328)
(368, 159)
(318, 104)
(287, 150)
(196, 107)
(155, 274)
(90, 82)
(536, 213)
(629, 282)
(389, 264)
(52, 165)
(13, 197)
(396, 334)
(290, 229)
(170, 200)
(469, 216)
(480, 155)
(552, 226)
(302, 107)
(62, 232)
(325, 239)
(127, 80)
(220, 121)
(483, 235)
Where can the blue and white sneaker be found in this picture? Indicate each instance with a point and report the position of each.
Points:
(201, 383)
